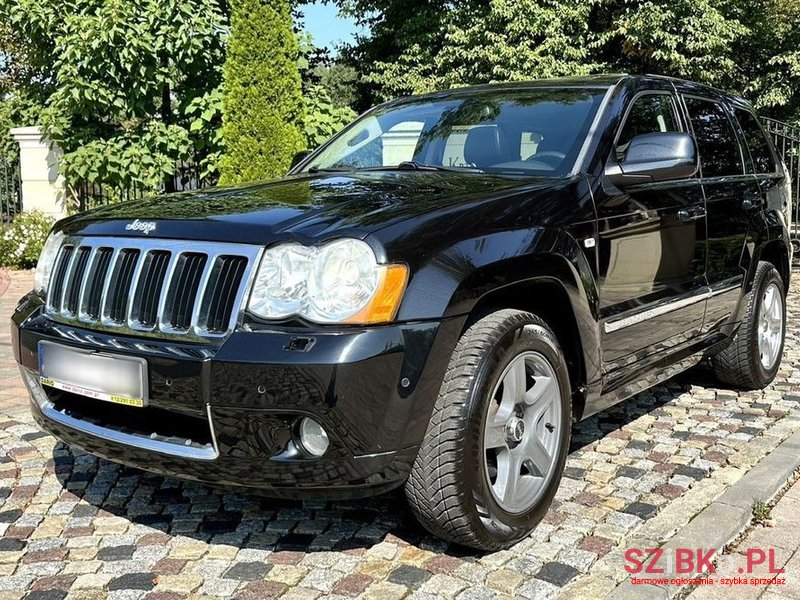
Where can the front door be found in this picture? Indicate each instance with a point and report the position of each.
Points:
(652, 250)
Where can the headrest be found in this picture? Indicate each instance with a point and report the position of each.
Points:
(484, 146)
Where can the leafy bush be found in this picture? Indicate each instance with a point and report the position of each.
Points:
(323, 118)
(262, 103)
(22, 241)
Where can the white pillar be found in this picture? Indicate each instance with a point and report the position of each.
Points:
(42, 185)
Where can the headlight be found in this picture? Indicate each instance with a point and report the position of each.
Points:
(44, 267)
(281, 286)
(339, 282)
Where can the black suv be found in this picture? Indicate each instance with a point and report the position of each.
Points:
(430, 299)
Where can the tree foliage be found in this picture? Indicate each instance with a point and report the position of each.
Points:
(328, 92)
(752, 48)
(116, 81)
(263, 105)
(323, 117)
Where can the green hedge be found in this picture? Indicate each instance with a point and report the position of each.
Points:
(263, 104)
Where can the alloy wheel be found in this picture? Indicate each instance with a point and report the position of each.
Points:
(522, 432)
(770, 326)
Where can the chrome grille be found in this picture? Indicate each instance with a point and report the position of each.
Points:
(151, 286)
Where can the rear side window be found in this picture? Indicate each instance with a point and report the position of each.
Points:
(651, 113)
(760, 149)
(717, 145)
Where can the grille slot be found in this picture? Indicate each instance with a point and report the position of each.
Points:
(90, 309)
(119, 290)
(225, 278)
(76, 280)
(182, 293)
(60, 275)
(151, 286)
(148, 291)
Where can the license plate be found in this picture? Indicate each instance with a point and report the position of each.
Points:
(109, 377)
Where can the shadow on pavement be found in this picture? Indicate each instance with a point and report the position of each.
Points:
(250, 521)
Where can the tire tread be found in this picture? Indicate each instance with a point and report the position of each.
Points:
(435, 488)
(733, 365)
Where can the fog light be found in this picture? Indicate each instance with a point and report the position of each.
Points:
(313, 437)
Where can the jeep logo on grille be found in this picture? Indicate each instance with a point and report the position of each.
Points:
(144, 226)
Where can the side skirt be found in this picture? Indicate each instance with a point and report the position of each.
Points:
(621, 385)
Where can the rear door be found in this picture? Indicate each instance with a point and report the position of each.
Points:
(766, 168)
(731, 194)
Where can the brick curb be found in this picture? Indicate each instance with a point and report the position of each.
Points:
(725, 518)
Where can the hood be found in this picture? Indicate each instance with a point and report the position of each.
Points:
(303, 208)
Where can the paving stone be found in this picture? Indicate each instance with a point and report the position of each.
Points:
(409, 575)
(476, 593)
(247, 571)
(116, 552)
(46, 595)
(289, 575)
(385, 590)
(641, 510)
(261, 590)
(557, 573)
(135, 581)
(582, 560)
(182, 584)
(504, 580)
(538, 589)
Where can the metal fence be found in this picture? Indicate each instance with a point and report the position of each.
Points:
(787, 142)
(10, 201)
(187, 177)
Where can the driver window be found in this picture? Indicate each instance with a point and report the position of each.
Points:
(652, 113)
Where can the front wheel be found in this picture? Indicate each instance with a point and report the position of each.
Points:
(496, 445)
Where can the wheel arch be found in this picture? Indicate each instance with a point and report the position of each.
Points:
(776, 253)
(561, 290)
(548, 299)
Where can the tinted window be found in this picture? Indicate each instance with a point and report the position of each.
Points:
(536, 132)
(716, 141)
(649, 114)
(760, 151)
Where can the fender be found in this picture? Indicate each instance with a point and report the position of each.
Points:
(767, 230)
(458, 278)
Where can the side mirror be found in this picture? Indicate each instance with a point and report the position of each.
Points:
(655, 157)
(298, 158)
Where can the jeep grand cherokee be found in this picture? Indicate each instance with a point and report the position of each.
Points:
(428, 300)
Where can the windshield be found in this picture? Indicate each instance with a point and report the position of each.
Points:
(535, 131)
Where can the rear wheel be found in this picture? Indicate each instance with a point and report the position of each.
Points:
(495, 448)
(752, 359)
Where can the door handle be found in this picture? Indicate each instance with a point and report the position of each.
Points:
(687, 215)
(749, 204)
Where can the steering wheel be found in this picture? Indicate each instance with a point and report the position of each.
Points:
(554, 156)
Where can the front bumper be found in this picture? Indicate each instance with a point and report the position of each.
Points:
(226, 414)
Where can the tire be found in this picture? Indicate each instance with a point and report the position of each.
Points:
(740, 364)
(456, 486)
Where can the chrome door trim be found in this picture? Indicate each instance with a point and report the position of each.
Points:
(662, 309)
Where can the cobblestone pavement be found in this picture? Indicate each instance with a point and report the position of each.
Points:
(72, 525)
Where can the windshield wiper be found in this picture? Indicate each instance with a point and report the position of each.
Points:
(413, 165)
(407, 165)
(313, 170)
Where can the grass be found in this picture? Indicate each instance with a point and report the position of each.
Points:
(762, 511)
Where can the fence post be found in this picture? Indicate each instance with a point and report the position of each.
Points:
(41, 184)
